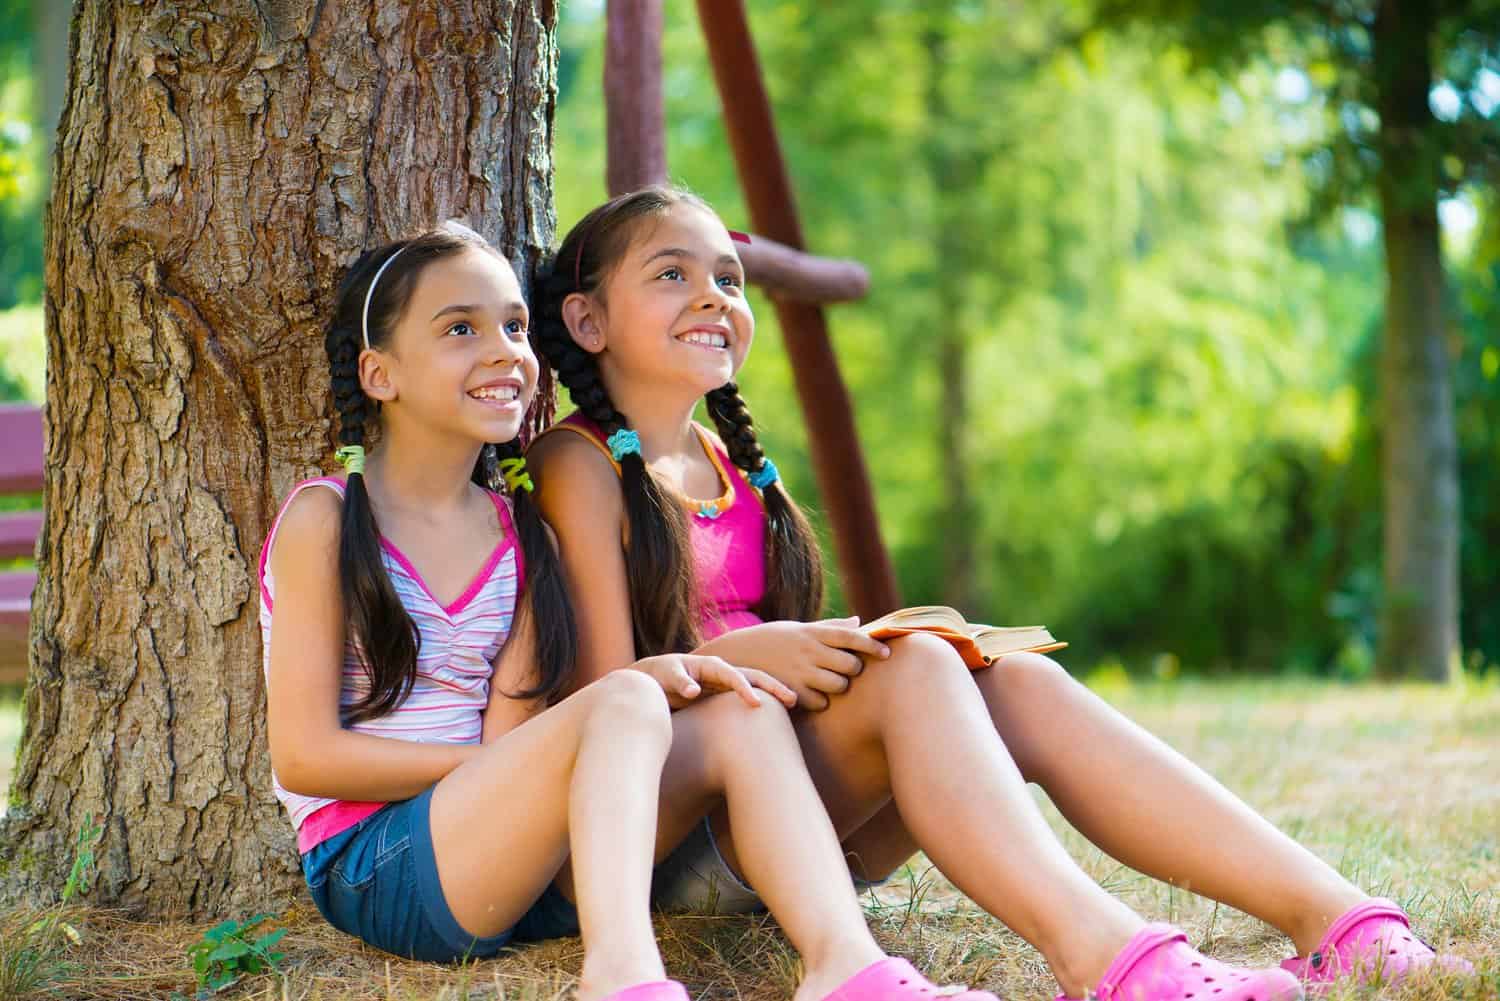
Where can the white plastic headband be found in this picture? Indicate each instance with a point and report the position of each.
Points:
(364, 316)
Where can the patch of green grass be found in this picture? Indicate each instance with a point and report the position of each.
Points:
(1394, 786)
(23, 358)
(34, 947)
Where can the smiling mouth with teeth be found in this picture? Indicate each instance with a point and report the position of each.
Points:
(502, 394)
(704, 338)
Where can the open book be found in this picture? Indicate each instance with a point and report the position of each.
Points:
(979, 645)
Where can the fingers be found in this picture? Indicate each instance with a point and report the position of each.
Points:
(722, 675)
(829, 682)
(852, 640)
(813, 701)
(680, 682)
(766, 683)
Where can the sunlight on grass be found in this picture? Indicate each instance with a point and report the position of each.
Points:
(10, 733)
(1395, 786)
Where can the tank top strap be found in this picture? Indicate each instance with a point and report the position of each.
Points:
(588, 431)
(336, 485)
(512, 534)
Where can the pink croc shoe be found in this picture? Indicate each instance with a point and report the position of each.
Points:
(894, 979)
(655, 990)
(1372, 942)
(1159, 965)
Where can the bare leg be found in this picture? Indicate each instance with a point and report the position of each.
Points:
(783, 842)
(1138, 800)
(915, 728)
(582, 777)
(1153, 809)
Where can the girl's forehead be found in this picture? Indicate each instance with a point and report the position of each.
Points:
(684, 226)
(473, 276)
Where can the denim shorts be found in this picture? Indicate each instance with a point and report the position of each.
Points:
(378, 881)
(695, 879)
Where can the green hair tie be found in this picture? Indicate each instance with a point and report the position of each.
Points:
(516, 476)
(353, 458)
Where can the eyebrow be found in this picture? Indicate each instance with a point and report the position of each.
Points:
(512, 307)
(680, 252)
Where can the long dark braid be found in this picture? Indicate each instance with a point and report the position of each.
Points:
(794, 566)
(385, 634)
(549, 606)
(383, 630)
(663, 598)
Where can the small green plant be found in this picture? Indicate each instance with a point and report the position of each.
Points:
(232, 949)
(32, 951)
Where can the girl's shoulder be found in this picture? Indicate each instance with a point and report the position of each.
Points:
(309, 523)
(305, 507)
(572, 448)
(577, 481)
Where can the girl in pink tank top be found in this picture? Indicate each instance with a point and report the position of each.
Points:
(667, 547)
(450, 795)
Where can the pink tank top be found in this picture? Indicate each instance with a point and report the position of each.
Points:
(728, 536)
(454, 663)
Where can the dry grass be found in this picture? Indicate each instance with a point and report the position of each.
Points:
(1400, 788)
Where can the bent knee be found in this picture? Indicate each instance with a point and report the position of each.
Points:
(631, 700)
(1028, 674)
(728, 712)
(920, 657)
(725, 726)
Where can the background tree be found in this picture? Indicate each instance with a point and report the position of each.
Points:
(214, 171)
(1380, 62)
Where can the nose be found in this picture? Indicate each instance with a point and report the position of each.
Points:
(712, 298)
(501, 349)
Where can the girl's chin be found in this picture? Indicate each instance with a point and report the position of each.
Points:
(710, 377)
(498, 431)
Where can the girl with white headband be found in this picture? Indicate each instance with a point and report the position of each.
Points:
(447, 799)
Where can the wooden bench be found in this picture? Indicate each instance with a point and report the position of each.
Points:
(21, 465)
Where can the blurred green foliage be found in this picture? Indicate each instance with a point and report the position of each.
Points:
(22, 154)
(1169, 320)
(1168, 317)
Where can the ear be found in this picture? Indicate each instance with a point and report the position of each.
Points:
(376, 376)
(582, 317)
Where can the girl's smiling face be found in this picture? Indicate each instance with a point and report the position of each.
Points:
(458, 360)
(672, 310)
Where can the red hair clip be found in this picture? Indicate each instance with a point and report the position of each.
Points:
(739, 237)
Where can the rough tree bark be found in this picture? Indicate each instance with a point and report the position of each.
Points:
(216, 166)
(1419, 614)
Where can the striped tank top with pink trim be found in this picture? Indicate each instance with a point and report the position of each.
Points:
(454, 664)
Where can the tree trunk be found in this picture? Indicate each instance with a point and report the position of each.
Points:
(1419, 614)
(216, 166)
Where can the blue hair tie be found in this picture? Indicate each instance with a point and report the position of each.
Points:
(622, 443)
(764, 476)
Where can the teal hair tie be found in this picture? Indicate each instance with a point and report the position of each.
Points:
(764, 476)
(353, 459)
(516, 476)
(622, 443)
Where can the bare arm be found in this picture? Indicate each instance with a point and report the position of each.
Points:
(311, 751)
(579, 494)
